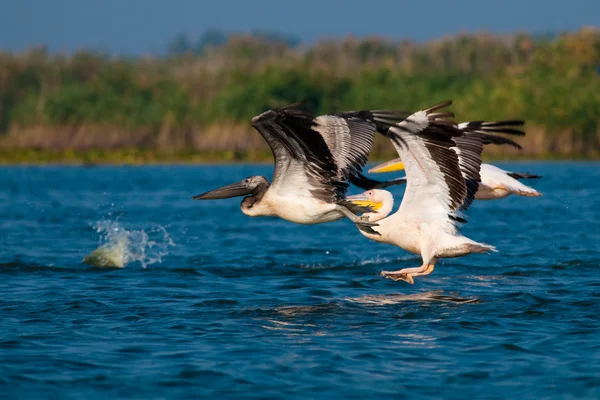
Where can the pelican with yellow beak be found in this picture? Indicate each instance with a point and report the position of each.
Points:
(442, 165)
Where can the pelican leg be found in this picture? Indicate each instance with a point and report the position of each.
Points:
(364, 221)
(407, 274)
(429, 270)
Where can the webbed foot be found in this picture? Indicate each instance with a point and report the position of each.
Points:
(398, 276)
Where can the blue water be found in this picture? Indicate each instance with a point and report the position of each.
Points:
(211, 303)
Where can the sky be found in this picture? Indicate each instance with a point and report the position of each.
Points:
(146, 26)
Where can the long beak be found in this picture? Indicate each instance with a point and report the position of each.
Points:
(362, 200)
(233, 190)
(389, 166)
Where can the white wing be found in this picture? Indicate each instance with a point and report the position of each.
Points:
(493, 177)
(435, 186)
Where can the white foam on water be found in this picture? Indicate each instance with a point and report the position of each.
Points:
(120, 246)
(387, 260)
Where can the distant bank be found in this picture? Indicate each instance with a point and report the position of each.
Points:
(151, 157)
(90, 107)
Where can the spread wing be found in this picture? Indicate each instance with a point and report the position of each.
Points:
(316, 156)
(475, 134)
(304, 165)
(435, 187)
(489, 130)
(349, 136)
(469, 147)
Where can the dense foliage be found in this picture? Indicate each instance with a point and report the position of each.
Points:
(204, 99)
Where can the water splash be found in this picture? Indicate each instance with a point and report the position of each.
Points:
(120, 246)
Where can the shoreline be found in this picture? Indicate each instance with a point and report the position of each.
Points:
(35, 157)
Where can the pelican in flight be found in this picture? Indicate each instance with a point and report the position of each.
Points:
(496, 183)
(442, 173)
(314, 158)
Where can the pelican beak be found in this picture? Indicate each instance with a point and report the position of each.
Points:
(390, 166)
(225, 192)
(362, 200)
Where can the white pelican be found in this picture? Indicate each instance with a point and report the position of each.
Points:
(442, 170)
(495, 183)
(314, 157)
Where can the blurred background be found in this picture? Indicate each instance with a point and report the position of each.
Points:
(178, 81)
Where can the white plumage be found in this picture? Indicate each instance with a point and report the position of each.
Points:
(497, 183)
(426, 221)
(314, 158)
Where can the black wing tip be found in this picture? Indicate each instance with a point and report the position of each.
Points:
(499, 140)
(438, 106)
(443, 119)
(386, 118)
(383, 119)
(523, 175)
(365, 183)
(457, 218)
(362, 182)
(267, 115)
(491, 124)
(508, 122)
(442, 115)
(507, 127)
(299, 109)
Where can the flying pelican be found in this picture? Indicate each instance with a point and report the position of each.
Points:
(314, 157)
(442, 170)
(495, 183)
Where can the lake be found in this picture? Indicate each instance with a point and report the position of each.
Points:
(211, 303)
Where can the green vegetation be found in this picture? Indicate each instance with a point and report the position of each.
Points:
(195, 105)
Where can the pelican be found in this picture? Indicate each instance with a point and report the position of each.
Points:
(442, 171)
(314, 157)
(496, 183)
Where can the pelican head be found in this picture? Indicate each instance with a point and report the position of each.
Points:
(254, 186)
(381, 201)
(390, 166)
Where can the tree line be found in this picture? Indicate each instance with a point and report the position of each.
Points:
(200, 97)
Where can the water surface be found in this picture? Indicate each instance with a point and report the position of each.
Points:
(212, 303)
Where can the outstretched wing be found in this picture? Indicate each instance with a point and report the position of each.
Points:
(469, 147)
(435, 186)
(303, 162)
(349, 137)
(523, 175)
(316, 156)
(489, 131)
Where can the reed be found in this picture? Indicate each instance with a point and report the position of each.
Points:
(201, 103)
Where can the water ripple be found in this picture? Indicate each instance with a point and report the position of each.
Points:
(258, 307)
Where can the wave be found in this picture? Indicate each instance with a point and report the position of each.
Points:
(388, 299)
